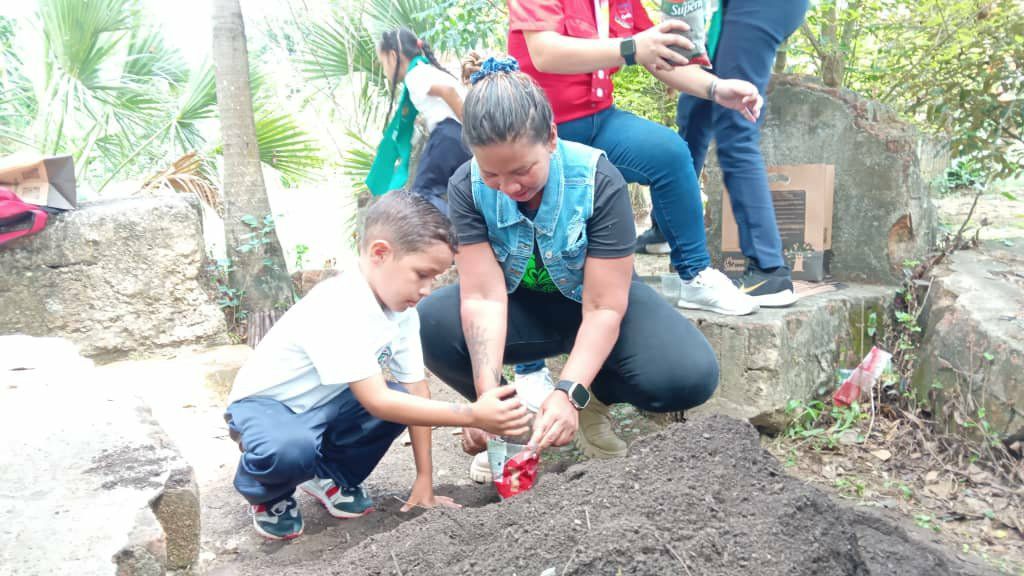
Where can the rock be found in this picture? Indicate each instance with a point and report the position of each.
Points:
(177, 509)
(784, 354)
(88, 475)
(974, 337)
(883, 213)
(114, 277)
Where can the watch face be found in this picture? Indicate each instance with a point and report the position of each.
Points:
(580, 396)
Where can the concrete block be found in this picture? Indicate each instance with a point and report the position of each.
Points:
(89, 482)
(973, 346)
(883, 213)
(778, 355)
(114, 277)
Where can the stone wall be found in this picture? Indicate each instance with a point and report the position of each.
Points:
(972, 355)
(114, 277)
(884, 170)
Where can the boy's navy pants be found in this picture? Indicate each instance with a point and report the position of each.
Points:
(339, 440)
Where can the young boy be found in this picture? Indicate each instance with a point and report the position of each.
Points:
(311, 408)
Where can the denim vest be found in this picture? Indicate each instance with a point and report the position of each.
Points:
(560, 227)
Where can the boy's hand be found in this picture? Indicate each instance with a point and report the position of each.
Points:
(556, 423)
(741, 96)
(423, 496)
(498, 412)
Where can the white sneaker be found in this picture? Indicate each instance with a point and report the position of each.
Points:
(711, 290)
(532, 389)
(480, 469)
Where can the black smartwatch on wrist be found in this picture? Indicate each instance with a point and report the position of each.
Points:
(578, 394)
(627, 49)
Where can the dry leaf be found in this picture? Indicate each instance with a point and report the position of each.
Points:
(931, 477)
(883, 454)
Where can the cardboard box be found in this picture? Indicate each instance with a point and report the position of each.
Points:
(803, 196)
(42, 181)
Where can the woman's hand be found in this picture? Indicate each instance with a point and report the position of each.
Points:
(741, 96)
(556, 424)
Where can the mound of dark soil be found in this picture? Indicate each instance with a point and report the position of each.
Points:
(700, 498)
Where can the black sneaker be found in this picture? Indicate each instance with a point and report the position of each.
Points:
(769, 289)
(652, 242)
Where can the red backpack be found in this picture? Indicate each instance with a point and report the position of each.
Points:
(18, 218)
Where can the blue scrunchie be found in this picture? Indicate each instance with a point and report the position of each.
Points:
(494, 65)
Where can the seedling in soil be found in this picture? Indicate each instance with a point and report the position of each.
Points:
(926, 521)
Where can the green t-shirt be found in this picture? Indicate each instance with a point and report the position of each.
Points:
(536, 277)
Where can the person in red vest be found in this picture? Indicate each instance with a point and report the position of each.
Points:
(572, 48)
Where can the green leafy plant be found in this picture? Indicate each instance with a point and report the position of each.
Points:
(300, 256)
(821, 424)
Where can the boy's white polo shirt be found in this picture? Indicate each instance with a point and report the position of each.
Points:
(337, 334)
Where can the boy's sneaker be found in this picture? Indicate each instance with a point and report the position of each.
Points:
(279, 520)
(532, 389)
(480, 469)
(712, 291)
(769, 289)
(339, 502)
(652, 241)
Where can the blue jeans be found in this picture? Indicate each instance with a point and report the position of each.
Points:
(752, 31)
(339, 440)
(653, 155)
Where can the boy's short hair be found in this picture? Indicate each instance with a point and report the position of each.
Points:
(408, 221)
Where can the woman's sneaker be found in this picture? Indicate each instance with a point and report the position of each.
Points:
(480, 469)
(279, 520)
(712, 291)
(339, 502)
(769, 289)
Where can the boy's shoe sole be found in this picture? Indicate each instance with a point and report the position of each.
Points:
(340, 514)
(269, 536)
(777, 300)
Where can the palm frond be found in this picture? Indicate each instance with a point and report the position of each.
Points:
(338, 49)
(149, 58)
(191, 174)
(197, 103)
(357, 162)
(285, 146)
(385, 15)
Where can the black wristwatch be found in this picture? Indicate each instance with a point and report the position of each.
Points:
(577, 393)
(627, 49)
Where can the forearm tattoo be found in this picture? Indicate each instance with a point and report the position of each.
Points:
(480, 345)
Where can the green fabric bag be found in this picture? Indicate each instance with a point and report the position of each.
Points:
(390, 170)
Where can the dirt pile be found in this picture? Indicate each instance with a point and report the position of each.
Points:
(700, 498)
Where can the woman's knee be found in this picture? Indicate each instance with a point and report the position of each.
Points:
(440, 317)
(683, 385)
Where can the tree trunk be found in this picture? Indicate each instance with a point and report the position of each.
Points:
(833, 62)
(259, 271)
(780, 58)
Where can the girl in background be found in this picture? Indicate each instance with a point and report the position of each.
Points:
(431, 91)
